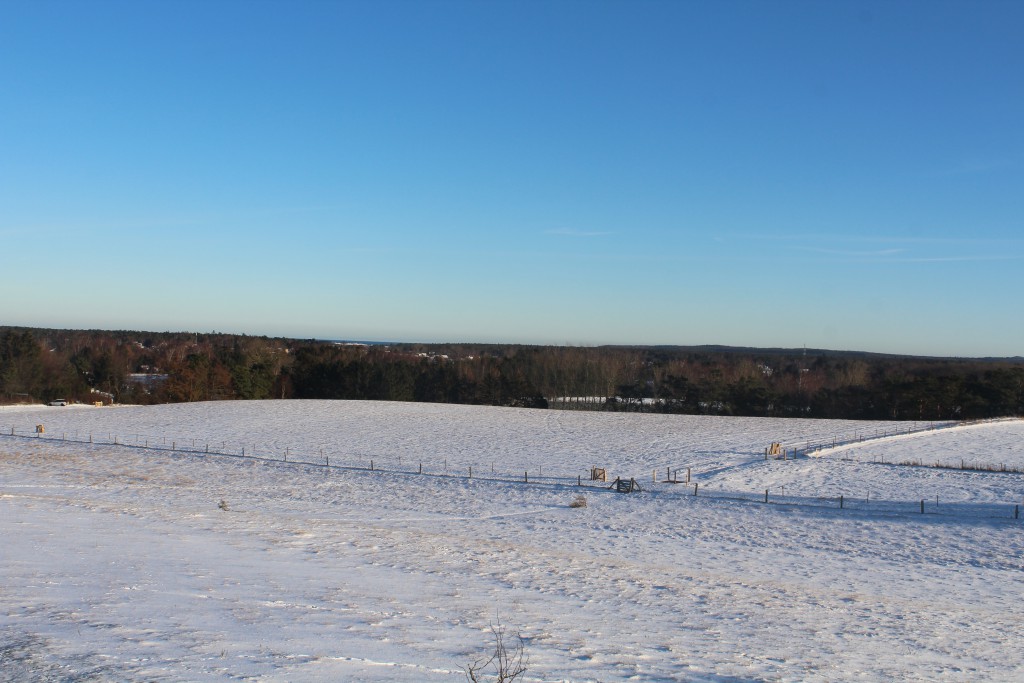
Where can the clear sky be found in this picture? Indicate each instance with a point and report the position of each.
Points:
(845, 175)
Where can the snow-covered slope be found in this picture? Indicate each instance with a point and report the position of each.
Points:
(117, 563)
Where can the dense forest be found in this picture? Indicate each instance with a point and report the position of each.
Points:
(142, 367)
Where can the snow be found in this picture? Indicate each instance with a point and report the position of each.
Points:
(117, 562)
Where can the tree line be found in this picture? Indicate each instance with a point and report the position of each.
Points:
(141, 367)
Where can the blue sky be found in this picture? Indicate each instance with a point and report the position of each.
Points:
(845, 175)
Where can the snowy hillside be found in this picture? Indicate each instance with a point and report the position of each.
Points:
(119, 563)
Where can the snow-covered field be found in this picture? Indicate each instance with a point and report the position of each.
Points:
(118, 563)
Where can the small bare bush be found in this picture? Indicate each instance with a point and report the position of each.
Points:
(578, 502)
(223, 505)
(503, 665)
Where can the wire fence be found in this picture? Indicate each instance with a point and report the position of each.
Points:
(681, 481)
(322, 457)
(810, 448)
(930, 506)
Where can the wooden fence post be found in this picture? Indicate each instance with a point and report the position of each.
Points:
(695, 489)
(766, 495)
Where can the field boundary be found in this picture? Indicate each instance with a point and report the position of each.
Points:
(687, 488)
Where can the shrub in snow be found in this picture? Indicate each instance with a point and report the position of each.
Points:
(502, 666)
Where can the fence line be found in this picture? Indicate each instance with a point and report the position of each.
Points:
(863, 435)
(933, 506)
(353, 461)
(373, 462)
